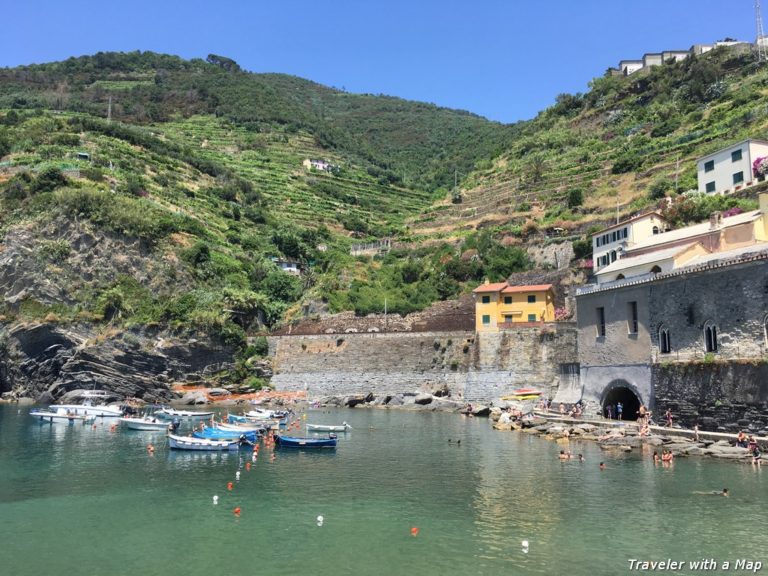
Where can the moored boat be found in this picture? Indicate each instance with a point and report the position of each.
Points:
(70, 418)
(191, 443)
(89, 409)
(301, 442)
(147, 423)
(251, 427)
(219, 434)
(329, 427)
(183, 414)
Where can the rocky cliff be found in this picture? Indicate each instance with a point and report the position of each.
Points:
(44, 361)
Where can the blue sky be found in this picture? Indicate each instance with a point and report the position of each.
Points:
(505, 60)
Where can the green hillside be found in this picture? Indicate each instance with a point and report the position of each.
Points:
(200, 165)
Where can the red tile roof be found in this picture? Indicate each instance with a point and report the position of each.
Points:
(495, 287)
(533, 288)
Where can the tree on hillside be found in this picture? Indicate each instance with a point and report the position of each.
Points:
(223, 62)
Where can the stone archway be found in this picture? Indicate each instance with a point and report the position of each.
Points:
(621, 391)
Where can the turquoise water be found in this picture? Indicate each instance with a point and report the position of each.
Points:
(81, 501)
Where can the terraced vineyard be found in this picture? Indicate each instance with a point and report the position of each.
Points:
(272, 162)
(558, 152)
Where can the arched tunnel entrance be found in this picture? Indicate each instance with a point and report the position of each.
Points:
(620, 391)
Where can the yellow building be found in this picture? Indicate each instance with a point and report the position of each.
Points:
(499, 305)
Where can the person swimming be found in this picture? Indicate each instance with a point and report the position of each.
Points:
(723, 492)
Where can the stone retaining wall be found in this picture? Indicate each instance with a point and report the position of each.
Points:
(722, 396)
(477, 368)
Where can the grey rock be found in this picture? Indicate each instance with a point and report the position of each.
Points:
(423, 399)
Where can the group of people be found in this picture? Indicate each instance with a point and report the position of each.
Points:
(614, 411)
(666, 458)
(749, 442)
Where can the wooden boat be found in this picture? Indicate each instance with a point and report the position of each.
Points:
(329, 427)
(190, 443)
(299, 442)
(238, 419)
(219, 434)
(169, 413)
(146, 423)
(51, 417)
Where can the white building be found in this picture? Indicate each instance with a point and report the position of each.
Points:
(610, 243)
(628, 67)
(729, 169)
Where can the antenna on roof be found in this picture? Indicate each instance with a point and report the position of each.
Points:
(762, 52)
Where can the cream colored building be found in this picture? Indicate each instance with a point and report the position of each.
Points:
(729, 169)
(609, 244)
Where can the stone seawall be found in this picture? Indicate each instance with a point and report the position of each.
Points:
(477, 368)
(718, 396)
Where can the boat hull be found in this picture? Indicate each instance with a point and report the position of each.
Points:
(217, 434)
(170, 413)
(51, 417)
(87, 410)
(144, 424)
(201, 444)
(327, 428)
(297, 442)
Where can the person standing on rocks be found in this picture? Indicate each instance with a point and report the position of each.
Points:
(668, 418)
(619, 410)
(609, 411)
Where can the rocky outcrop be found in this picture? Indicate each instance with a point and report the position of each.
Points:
(44, 361)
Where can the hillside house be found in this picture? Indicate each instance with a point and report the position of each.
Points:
(288, 266)
(668, 251)
(609, 244)
(499, 305)
(323, 165)
(730, 168)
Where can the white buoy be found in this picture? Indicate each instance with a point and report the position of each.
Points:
(237, 475)
(320, 520)
(215, 500)
(525, 546)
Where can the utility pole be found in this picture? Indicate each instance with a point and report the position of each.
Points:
(677, 172)
(762, 51)
(109, 109)
(386, 323)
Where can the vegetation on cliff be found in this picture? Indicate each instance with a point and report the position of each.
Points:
(198, 166)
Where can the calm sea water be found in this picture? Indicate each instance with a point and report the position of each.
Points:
(81, 501)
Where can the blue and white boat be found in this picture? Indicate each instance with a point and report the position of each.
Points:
(191, 443)
(219, 434)
(300, 442)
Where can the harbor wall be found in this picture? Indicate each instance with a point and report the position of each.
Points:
(475, 367)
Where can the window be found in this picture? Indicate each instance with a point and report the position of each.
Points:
(655, 230)
(597, 242)
(709, 166)
(736, 155)
(508, 318)
(632, 317)
(626, 232)
(486, 299)
(486, 319)
(738, 178)
(531, 298)
(613, 255)
(710, 337)
(532, 318)
(507, 299)
(600, 322)
(655, 270)
(620, 277)
(710, 187)
(665, 347)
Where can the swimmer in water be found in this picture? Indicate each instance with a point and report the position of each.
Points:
(724, 492)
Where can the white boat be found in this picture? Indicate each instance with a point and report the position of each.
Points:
(329, 427)
(252, 427)
(264, 413)
(183, 414)
(190, 443)
(70, 418)
(87, 408)
(146, 423)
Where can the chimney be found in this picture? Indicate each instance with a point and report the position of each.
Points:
(715, 220)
